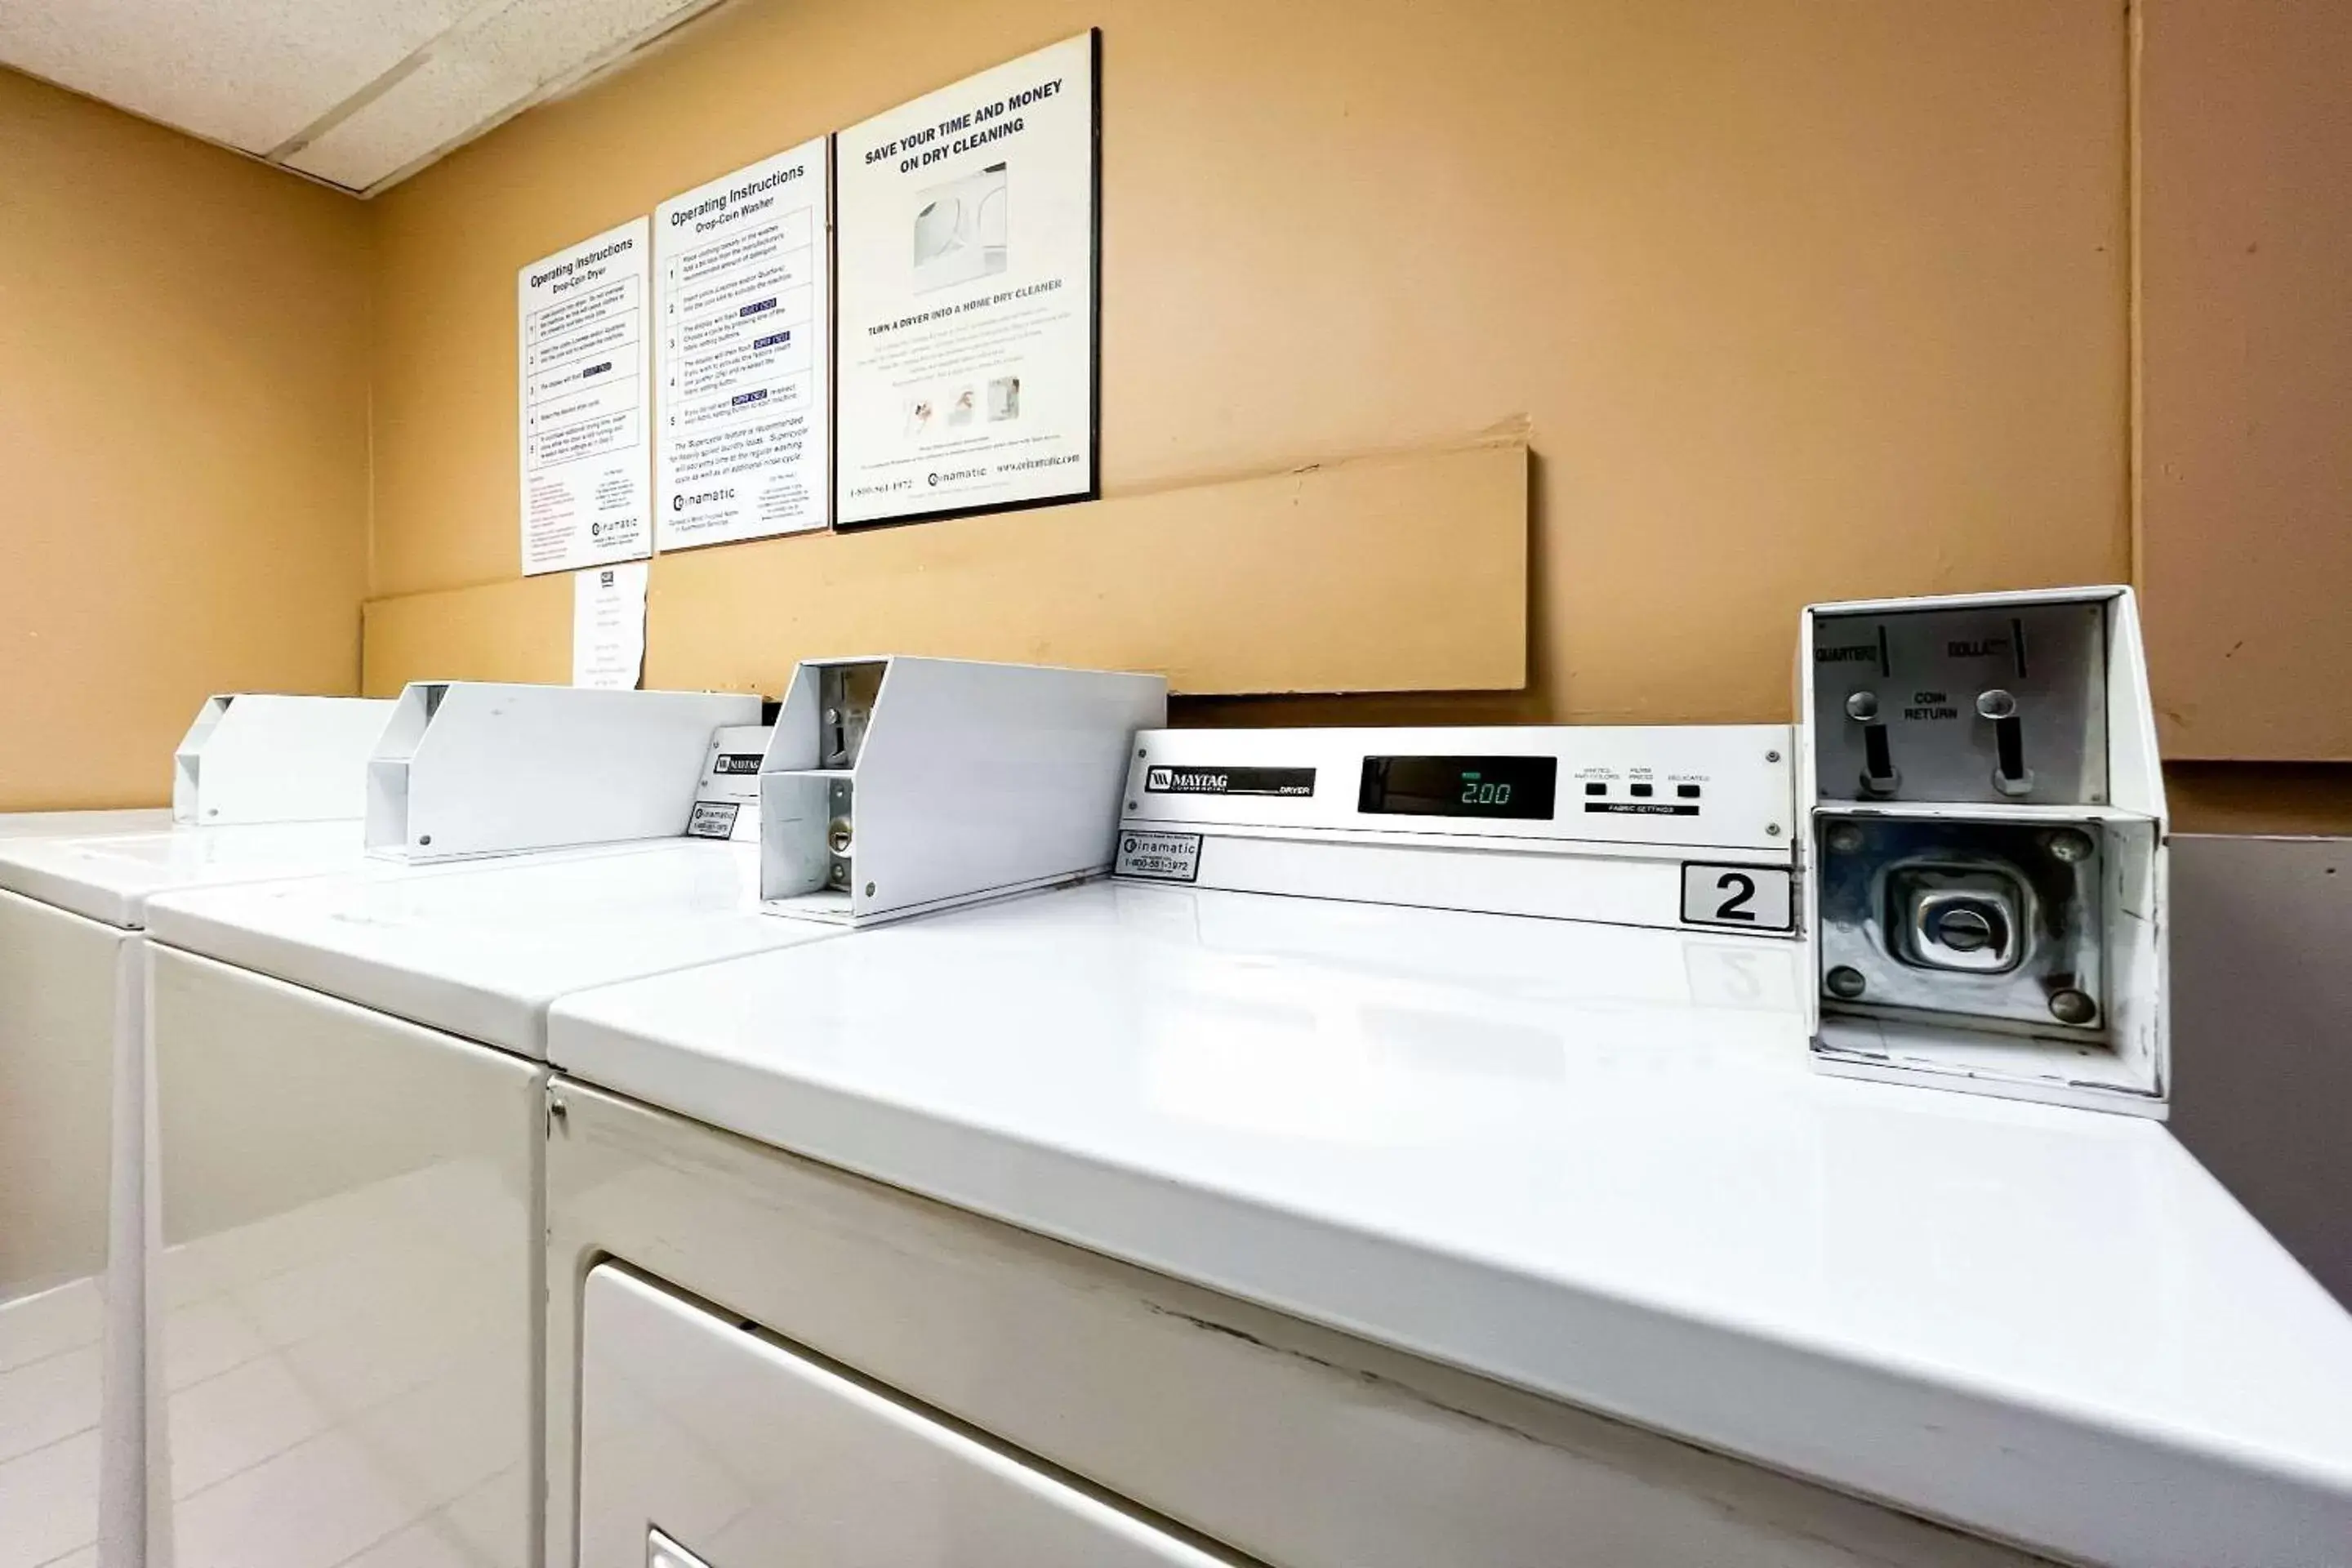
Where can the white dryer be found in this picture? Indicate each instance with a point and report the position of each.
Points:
(76, 1227)
(72, 919)
(351, 1108)
(1340, 1232)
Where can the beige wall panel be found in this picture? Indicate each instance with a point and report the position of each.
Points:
(1395, 573)
(503, 631)
(183, 443)
(1803, 297)
(2246, 319)
(1400, 571)
(2259, 798)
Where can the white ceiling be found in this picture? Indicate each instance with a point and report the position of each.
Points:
(358, 93)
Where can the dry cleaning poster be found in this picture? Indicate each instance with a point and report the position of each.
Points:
(966, 224)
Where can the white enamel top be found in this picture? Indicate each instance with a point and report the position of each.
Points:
(71, 823)
(1587, 1160)
(481, 947)
(109, 877)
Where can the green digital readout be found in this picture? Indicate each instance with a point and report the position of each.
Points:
(1516, 787)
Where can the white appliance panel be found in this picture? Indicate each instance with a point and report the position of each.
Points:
(1291, 1444)
(260, 757)
(62, 1358)
(75, 1173)
(481, 947)
(750, 1455)
(350, 1284)
(80, 824)
(1587, 1160)
(110, 878)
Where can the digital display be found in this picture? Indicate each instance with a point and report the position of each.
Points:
(1519, 788)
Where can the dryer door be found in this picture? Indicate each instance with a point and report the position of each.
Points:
(705, 1445)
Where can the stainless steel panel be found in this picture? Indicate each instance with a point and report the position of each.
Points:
(2262, 1029)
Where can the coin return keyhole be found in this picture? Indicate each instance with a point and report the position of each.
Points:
(1965, 929)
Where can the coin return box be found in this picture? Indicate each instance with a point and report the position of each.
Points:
(892, 786)
(464, 769)
(1986, 846)
(260, 757)
(811, 857)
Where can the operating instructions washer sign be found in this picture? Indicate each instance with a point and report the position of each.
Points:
(1160, 856)
(1229, 781)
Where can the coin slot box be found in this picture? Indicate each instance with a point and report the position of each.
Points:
(1986, 846)
(895, 785)
(811, 853)
(462, 768)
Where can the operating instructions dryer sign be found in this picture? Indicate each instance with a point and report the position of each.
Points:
(585, 372)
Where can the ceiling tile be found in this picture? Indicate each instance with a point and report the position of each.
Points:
(503, 61)
(250, 73)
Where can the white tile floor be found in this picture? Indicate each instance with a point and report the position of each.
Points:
(324, 1400)
(346, 1349)
(49, 1426)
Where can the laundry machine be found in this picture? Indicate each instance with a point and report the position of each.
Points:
(1381, 1171)
(73, 889)
(352, 1102)
(74, 1240)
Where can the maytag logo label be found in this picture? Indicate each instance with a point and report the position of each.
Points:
(1230, 781)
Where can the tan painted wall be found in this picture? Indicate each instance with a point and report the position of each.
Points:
(1803, 297)
(183, 443)
(2246, 266)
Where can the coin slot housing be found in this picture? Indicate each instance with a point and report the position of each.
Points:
(897, 785)
(1985, 882)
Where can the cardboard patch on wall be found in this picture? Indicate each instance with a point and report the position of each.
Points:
(1395, 573)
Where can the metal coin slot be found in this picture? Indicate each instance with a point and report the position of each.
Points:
(845, 697)
(1998, 922)
(2010, 776)
(840, 834)
(1879, 774)
(1967, 919)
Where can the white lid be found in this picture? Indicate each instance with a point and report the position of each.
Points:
(1587, 1160)
(481, 947)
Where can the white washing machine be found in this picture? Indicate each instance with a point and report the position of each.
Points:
(76, 1417)
(1323, 1231)
(351, 1115)
(350, 1110)
(72, 914)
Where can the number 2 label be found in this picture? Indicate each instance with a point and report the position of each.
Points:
(1737, 897)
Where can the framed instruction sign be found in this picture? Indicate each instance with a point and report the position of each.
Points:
(583, 352)
(968, 230)
(742, 440)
